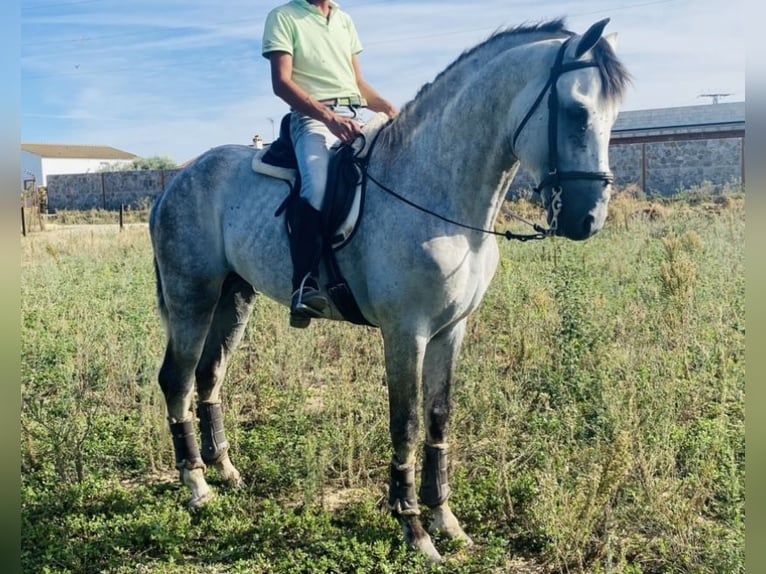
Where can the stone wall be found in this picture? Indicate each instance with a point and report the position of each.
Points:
(673, 166)
(670, 166)
(107, 190)
(666, 166)
(625, 161)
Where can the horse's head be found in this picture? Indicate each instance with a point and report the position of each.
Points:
(565, 143)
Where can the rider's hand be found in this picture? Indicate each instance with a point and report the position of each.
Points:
(345, 129)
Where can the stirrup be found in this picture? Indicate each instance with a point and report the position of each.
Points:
(298, 321)
(307, 303)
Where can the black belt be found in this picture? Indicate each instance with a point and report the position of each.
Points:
(351, 101)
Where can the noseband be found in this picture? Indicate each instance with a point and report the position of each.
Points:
(556, 176)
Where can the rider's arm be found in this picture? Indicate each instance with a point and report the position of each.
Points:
(284, 87)
(374, 101)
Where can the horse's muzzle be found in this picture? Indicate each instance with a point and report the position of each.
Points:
(582, 211)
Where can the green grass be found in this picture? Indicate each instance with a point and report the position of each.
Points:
(98, 216)
(598, 416)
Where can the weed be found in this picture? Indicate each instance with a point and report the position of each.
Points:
(598, 419)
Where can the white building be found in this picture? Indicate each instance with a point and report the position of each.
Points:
(38, 161)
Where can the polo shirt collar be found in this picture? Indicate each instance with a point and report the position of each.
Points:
(311, 8)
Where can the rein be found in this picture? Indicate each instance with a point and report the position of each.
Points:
(542, 233)
(362, 164)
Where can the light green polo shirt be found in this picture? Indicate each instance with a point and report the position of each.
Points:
(321, 48)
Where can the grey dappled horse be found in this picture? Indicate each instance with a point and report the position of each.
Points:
(537, 95)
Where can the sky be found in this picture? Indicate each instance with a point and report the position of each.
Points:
(174, 78)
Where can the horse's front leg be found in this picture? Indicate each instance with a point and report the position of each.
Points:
(404, 366)
(440, 358)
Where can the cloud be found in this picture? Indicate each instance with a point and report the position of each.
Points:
(176, 78)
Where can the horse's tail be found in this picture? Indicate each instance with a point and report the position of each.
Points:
(161, 306)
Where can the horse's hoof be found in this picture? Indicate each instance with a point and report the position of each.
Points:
(234, 482)
(229, 474)
(445, 524)
(417, 538)
(457, 534)
(199, 501)
(426, 547)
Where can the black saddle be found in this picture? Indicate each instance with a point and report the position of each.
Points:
(343, 175)
(281, 153)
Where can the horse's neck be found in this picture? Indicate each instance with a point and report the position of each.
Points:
(456, 138)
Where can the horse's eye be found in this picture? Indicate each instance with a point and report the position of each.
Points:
(578, 116)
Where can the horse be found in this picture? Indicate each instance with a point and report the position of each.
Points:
(416, 274)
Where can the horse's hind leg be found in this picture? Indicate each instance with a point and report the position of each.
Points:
(225, 333)
(439, 363)
(187, 310)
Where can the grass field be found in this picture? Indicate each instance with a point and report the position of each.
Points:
(598, 422)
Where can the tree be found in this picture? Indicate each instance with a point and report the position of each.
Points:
(154, 162)
(142, 163)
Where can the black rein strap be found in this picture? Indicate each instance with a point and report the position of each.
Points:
(542, 233)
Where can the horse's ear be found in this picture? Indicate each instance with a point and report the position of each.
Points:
(611, 39)
(590, 37)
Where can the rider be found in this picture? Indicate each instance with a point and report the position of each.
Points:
(313, 48)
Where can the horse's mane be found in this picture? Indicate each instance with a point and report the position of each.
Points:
(614, 75)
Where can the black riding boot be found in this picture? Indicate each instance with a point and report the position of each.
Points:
(306, 250)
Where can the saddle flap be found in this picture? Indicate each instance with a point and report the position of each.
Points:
(343, 197)
(342, 202)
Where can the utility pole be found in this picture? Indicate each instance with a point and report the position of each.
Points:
(714, 96)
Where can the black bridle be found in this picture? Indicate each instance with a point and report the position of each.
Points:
(555, 176)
